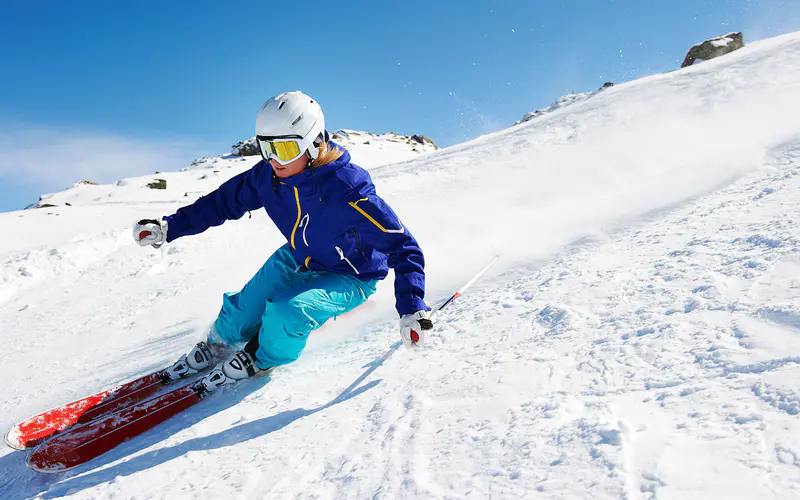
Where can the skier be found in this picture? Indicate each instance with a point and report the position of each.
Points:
(341, 240)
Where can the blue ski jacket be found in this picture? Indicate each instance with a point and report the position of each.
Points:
(330, 215)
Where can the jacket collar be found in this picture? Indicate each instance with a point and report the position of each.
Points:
(310, 173)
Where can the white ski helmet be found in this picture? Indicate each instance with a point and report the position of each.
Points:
(291, 116)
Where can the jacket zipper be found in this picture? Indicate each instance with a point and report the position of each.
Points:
(358, 244)
(299, 216)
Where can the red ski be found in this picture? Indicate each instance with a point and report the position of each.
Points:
(32, 431)
(85, 442)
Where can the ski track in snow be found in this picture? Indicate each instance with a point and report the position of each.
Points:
(656, 359)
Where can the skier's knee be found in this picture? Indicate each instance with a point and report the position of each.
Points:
(289, 316)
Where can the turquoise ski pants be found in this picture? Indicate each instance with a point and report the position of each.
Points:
(282, 304)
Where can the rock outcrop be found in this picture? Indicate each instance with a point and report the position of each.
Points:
(158, 184)
(714, 48)
(423, 140)
(245, 148)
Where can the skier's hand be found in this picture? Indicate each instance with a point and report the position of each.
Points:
(150, 232)
(413, 328)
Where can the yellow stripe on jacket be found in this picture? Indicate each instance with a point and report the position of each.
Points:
(299, 214)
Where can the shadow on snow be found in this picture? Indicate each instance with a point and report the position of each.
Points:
(54, 486)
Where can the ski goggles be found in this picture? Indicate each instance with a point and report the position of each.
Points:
(283, 149)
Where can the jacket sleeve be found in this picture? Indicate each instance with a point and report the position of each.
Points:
(381, 229)
(230, 201)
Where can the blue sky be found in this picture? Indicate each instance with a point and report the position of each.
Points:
(102, 90)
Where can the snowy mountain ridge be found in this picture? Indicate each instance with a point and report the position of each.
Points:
(639, 339)
(562, 102)
(355, 138)
(366, 149)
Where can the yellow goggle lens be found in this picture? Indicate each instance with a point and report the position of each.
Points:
(284, 150)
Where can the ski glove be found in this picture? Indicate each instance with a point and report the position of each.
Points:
(150, 232)
(413, 328)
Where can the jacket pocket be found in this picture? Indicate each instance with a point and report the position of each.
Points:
(349, 252)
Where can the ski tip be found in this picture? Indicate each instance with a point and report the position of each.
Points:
(52, 469)
(14, 439)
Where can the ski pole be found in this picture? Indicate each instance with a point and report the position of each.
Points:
(464, 288)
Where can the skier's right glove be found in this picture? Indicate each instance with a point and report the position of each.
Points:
(413, 328)
(150, 232)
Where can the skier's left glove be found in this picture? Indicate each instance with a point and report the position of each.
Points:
(413, 328)
(150, 232)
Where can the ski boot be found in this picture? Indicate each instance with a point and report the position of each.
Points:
(240, 366)
(196, 360)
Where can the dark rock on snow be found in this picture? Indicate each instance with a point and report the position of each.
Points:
(714, 48)
(247, 147)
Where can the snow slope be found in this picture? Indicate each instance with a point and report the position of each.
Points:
(640, 337)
